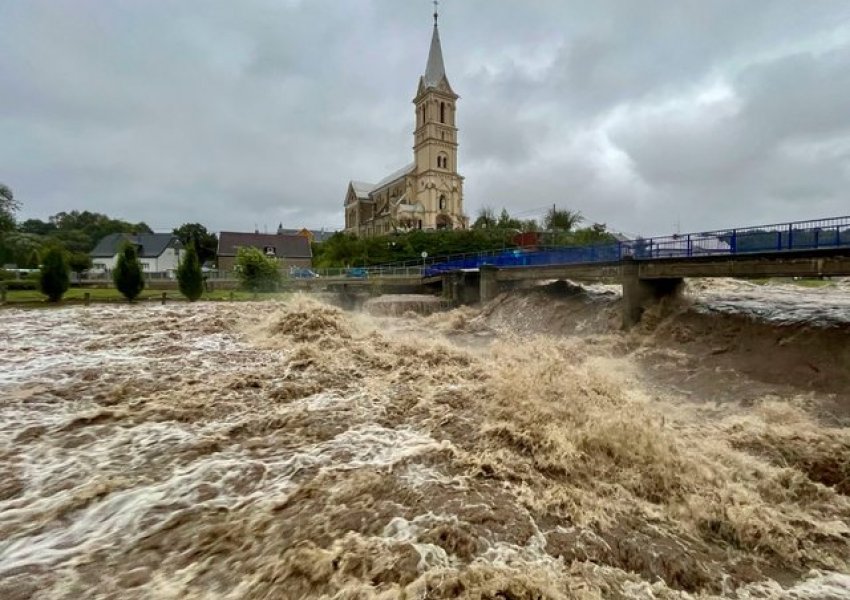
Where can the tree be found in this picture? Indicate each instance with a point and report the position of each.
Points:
(189, 276)
(486, 218)
(22, 249)
(256, 271)
(562, 220)
(8, 207)
(595, 234)
(81, 231)
(79, 262)
(205, 243)
(36, 226)
(53, 279)
(128, 273)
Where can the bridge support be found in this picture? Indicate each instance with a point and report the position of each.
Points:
(639, 294)
(461, 287)
(488, 283)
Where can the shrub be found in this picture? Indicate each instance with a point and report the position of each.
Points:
(128, 273)
(189, 276)
(54, 279)
(256, 271)
(21, 284)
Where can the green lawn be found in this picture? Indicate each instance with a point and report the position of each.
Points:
(76, 295)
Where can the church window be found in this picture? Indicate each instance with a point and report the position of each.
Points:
(442, 112)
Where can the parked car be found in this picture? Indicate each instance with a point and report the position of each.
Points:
(302, 273)
(358, 272)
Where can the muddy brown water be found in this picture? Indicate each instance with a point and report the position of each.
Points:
(524, 450)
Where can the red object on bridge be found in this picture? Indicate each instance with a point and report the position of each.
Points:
(529, 239)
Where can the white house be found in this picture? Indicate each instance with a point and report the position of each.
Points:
(158, 252)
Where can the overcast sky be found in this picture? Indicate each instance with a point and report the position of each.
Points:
(645, 114)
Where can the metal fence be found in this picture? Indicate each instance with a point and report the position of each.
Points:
(784, 237)
(762, 239)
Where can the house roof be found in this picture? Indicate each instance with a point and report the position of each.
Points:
(285, 245)
(318, 235)
(149, 245)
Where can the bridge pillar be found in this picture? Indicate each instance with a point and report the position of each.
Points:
(461, 287)
(639, 294)
(488, 282)
(451, 281)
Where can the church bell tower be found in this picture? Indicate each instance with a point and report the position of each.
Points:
(439, 187)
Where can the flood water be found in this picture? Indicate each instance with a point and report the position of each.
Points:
(525, 450)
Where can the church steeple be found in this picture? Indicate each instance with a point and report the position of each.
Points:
(438, 185)
(435, 70)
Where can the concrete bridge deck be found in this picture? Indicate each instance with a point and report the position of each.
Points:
(647, 281)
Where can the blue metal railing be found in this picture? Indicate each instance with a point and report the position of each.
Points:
(762, 239)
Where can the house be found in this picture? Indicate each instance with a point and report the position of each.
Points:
(158, 252)
(315, 236)
(428, 192)
(289, 249)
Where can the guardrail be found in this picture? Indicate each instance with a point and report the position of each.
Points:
(761, 239)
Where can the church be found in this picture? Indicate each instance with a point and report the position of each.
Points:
(427, 193)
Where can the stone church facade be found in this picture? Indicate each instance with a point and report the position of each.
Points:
(427, 193)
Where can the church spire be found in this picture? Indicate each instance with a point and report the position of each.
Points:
(435, 71)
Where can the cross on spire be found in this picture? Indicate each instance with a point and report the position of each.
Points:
(436, 11)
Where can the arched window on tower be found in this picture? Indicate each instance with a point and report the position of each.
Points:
(442, 112)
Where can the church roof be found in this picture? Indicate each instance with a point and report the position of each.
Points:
(394, 176)
(362, 189)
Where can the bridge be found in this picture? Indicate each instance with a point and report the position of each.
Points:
(653, 268)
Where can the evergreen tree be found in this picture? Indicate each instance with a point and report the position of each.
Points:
(54, 279)
(189, 276)
(128, 273)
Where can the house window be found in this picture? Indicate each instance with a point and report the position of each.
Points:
(269, 251)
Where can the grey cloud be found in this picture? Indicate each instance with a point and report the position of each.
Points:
(260, 112)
